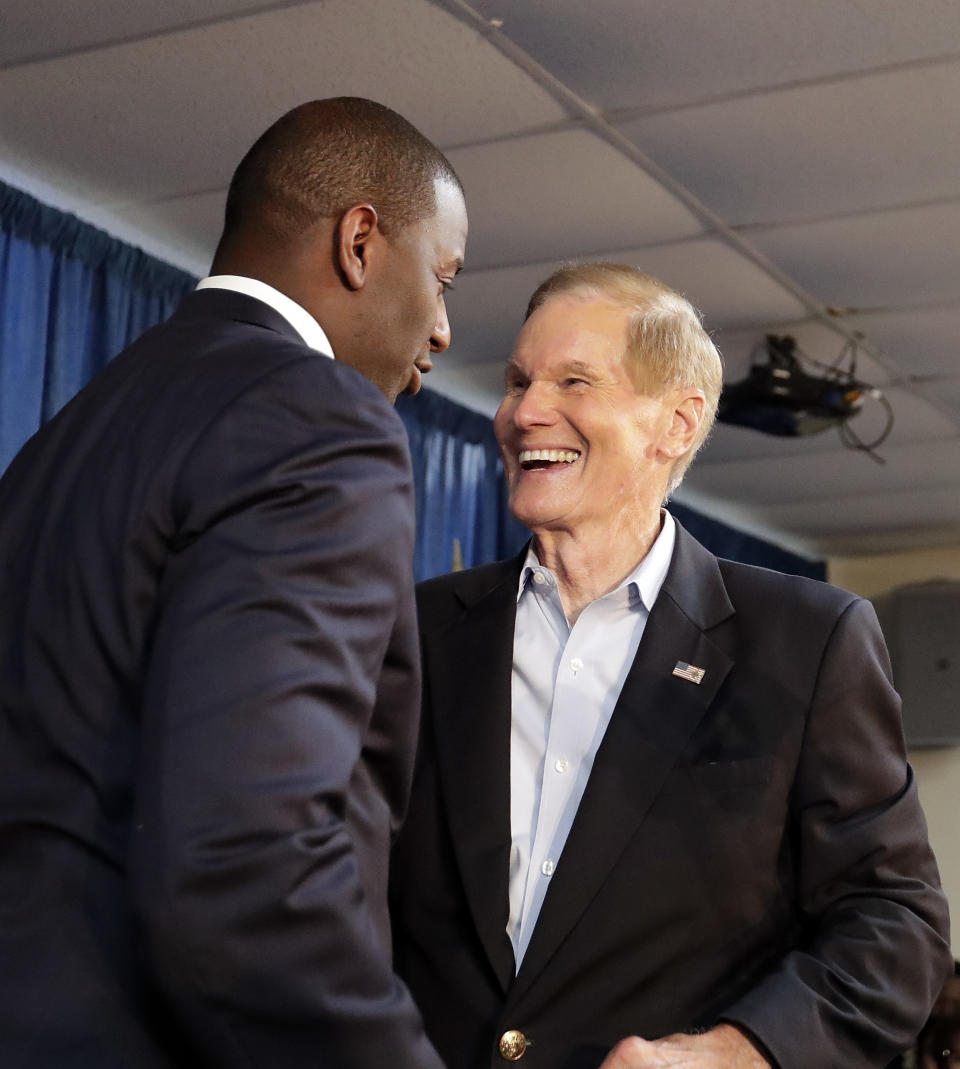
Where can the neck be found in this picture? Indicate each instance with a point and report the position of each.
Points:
(299, 267)
(588, 564)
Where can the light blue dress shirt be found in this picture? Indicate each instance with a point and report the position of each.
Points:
(565, 684)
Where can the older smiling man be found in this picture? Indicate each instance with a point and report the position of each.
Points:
(662, 815)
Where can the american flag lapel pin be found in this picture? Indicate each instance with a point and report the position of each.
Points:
(689, 672)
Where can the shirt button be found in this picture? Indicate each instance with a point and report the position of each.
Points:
(548, 867)
(512, 1045)
(576, 664)
(560, 765)
(538, 577)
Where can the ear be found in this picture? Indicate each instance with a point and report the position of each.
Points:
(359, 228)
(688, 408)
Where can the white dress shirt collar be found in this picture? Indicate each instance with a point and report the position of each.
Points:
(299, 318)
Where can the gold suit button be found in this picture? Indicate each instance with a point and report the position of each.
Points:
(512, 1045)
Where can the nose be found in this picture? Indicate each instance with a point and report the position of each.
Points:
(440, 337)
(534, 407)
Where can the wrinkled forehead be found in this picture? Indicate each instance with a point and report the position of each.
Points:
(574, 327)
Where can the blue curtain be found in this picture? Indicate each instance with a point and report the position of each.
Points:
(462, 517)
(728, 542)
(71, 297)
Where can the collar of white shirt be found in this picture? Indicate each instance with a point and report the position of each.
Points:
(298, 317)
(648, 576)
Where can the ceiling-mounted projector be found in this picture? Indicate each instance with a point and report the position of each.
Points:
(779, 397)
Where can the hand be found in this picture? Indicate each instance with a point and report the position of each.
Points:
(723, 1047)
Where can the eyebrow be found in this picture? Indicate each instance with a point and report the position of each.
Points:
(577, 367)
(581, 367)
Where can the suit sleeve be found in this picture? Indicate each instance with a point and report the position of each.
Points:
(262, 913)
(873, 950)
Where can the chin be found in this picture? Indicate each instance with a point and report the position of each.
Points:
(534, 520)
(536, 513)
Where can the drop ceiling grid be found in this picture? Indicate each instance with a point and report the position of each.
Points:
(816, 152)
(562, 194)
(837, 476)
(34, 29)
(665, 53)
(232, 78)
(868, 520)
(487, 307)
(891, 259)
(160, 116)
(920, 341)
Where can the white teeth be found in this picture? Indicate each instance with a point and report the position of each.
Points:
(554, 456)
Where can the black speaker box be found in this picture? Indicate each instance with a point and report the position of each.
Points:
(921, 625)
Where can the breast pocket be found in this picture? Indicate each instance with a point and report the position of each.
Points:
(716, 776)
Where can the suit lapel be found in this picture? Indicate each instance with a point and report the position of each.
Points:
(469, 664)
(654, 717)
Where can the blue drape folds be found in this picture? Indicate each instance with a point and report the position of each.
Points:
(71, 297)
(462, 517)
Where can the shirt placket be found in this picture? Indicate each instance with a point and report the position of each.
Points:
(560, 767)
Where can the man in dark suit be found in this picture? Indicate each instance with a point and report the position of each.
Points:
(661, 814)
(208, 656)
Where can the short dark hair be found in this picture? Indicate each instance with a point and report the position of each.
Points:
(325, 156)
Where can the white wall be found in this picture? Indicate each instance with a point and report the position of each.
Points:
(938, 770)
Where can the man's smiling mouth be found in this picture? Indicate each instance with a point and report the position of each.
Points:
(531, 459)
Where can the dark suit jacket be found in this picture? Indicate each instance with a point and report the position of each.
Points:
(750, 848)
(208, 710)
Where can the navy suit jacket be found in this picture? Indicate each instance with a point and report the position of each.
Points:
(208, 710)
(748, 848)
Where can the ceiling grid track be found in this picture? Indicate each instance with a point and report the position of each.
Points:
(593, 120)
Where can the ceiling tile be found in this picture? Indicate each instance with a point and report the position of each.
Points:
(872, 523)
(142, 136)
(841, 474)
(816, 151)
(486, 310)
(945, 392)
(919, 341)
(562, 195)
(879, 260)
(916, 419)
(110, 125)
(38, 28)
(664, 52)
(730, 290)
(729, 442)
